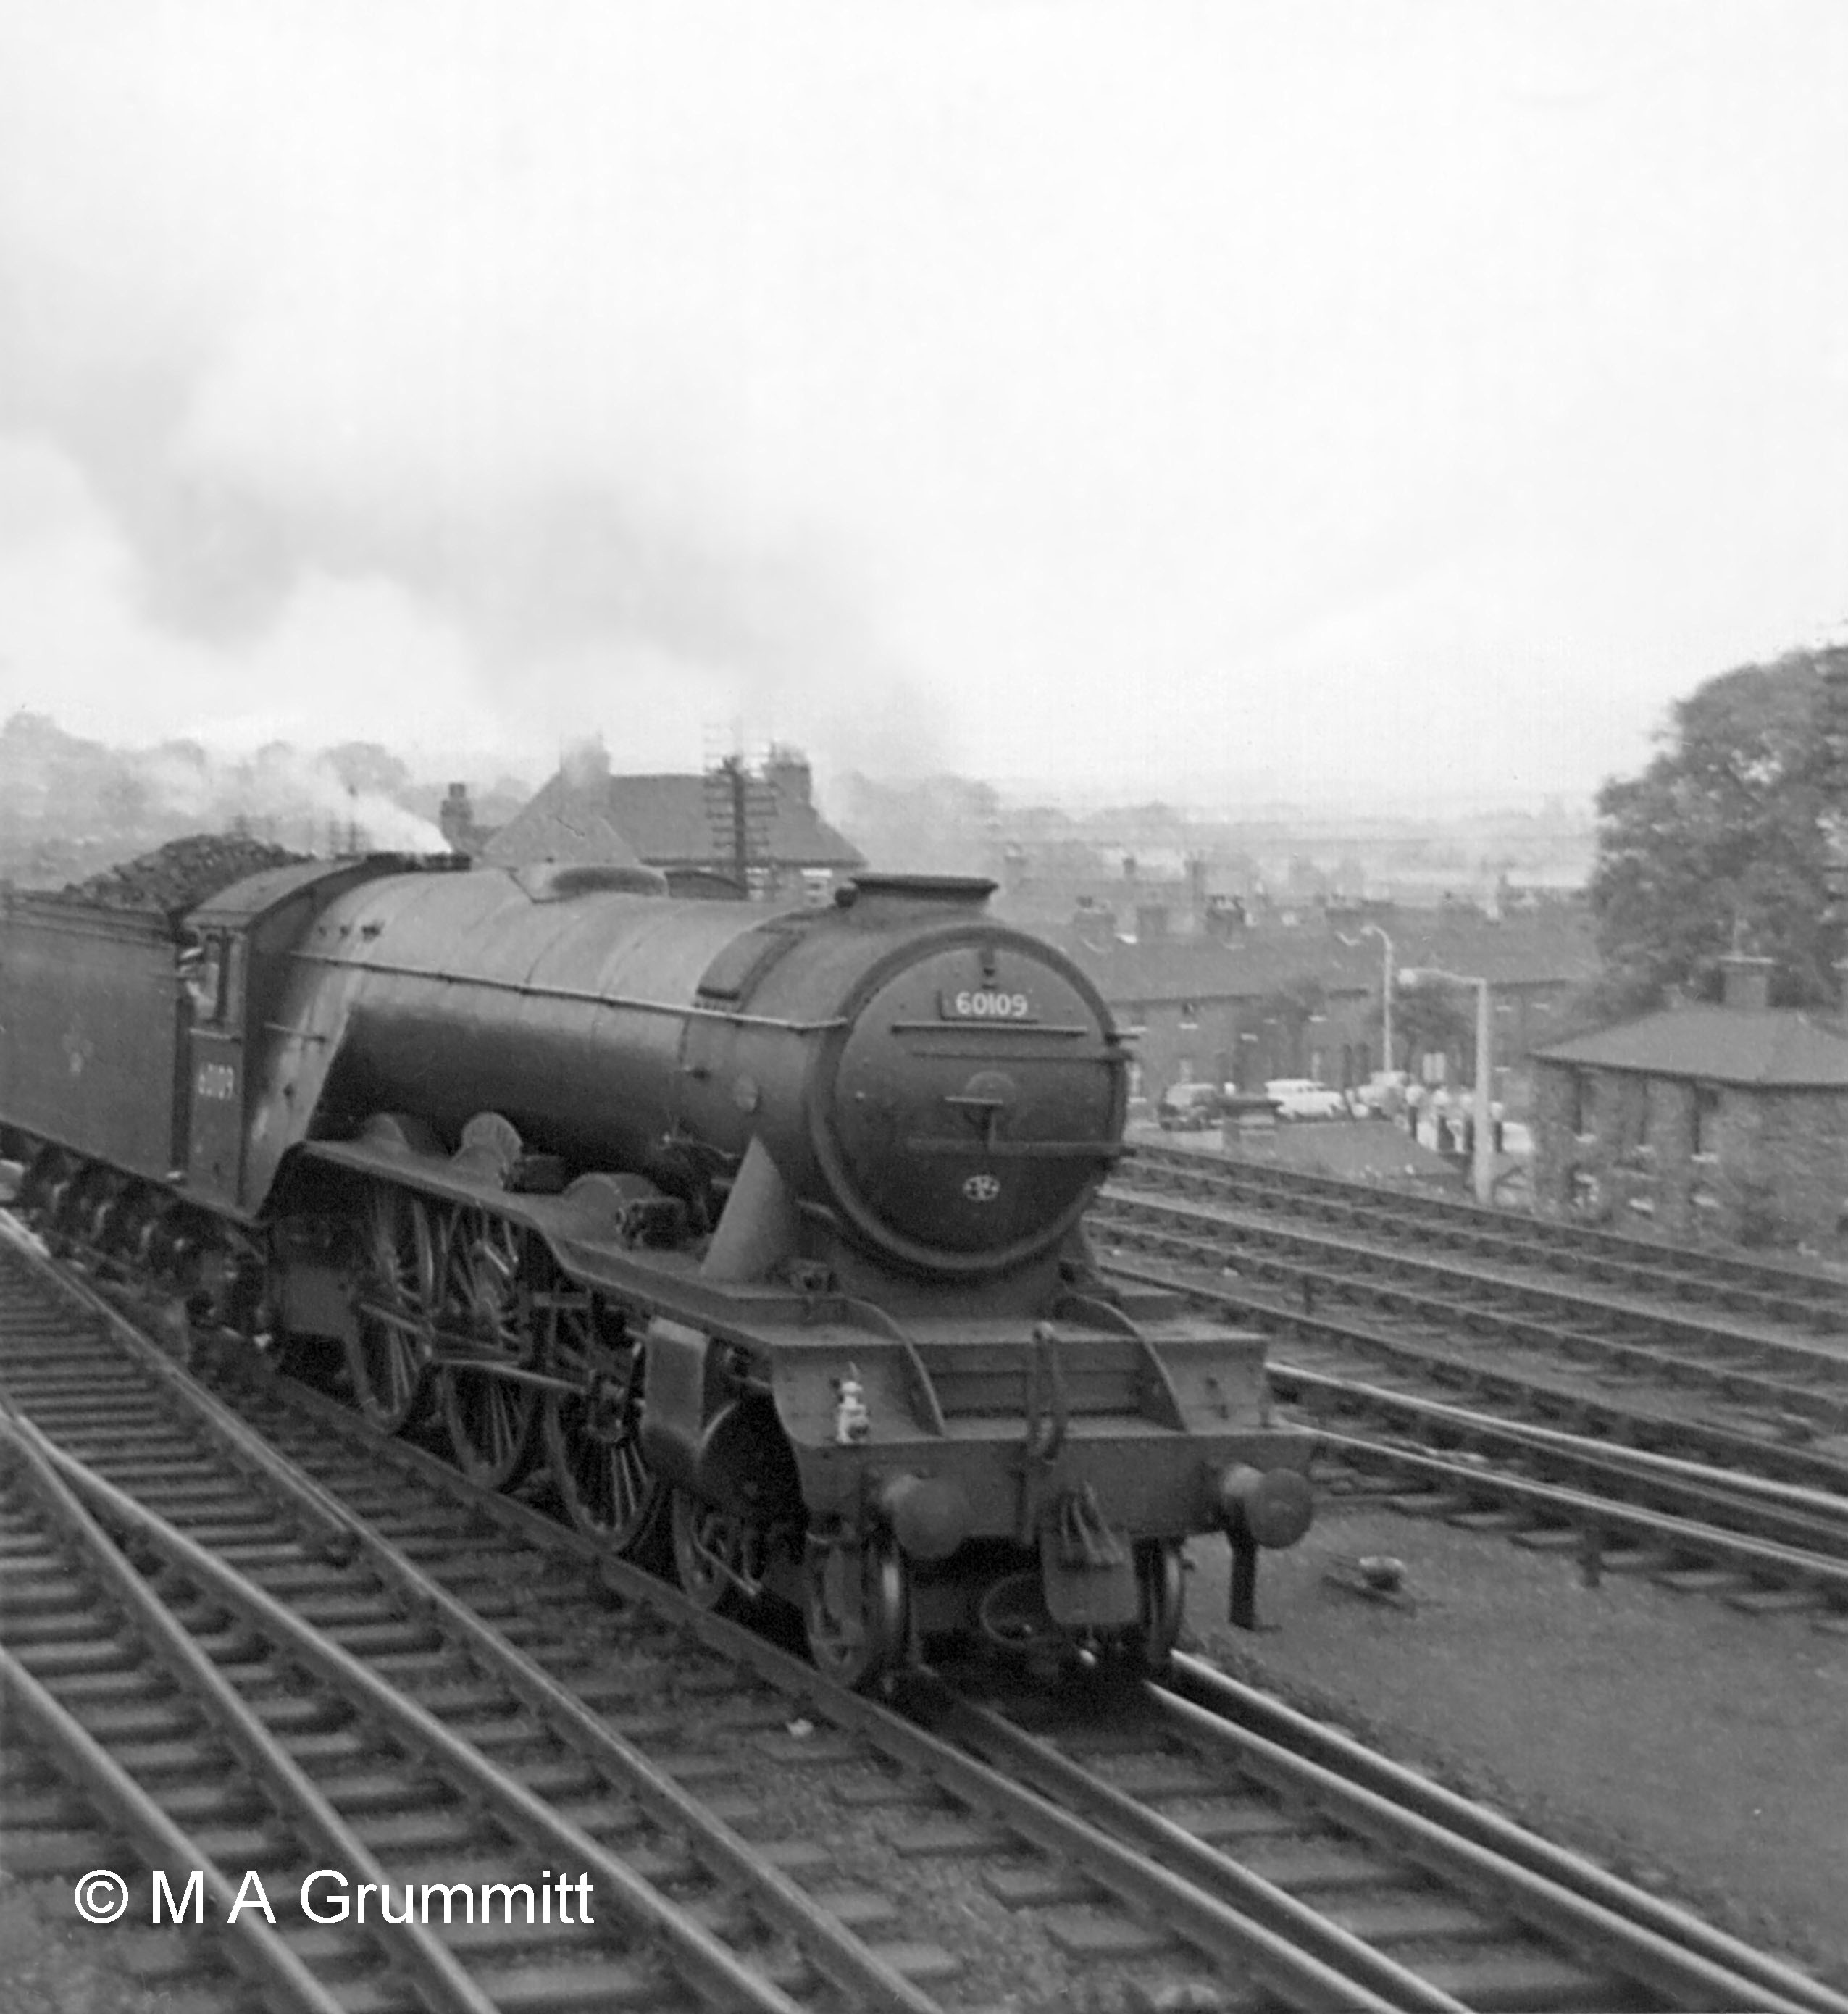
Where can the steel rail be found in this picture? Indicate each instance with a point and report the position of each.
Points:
(1210, 1925)
(1568, 1916)
(1228, 1936)
(1818, 1508)
(1551, 1293)
(1694, 1265)
(706, 1963)
(839, 1955)
(123, 1800)
(51, 1472)
(246, 1449)
(1444, 1365)
(1574, 1506)
(1028, 1760)
(1258, 1715)
(1660, 1360)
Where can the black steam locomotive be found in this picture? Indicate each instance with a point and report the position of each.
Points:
(761, 1230)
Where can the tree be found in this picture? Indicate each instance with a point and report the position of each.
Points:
(1432, 1017)
(1725, 841)
(1292, 1006)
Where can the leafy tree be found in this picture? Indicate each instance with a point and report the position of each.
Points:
(1724, 840)
(1431, 1016)
(1292, 1006)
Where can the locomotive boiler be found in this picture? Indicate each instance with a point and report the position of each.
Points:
(763, 1231)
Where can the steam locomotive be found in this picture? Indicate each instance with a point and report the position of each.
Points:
(762, 1231)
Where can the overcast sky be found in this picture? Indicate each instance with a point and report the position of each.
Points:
(1386, 399)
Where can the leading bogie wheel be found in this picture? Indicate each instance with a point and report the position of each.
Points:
(1162, 1586)
(857, 1605)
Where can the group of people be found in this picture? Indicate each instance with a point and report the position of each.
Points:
(1439, 1119)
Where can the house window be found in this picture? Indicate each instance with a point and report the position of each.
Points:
(1579, 1103)
(1190, 1014)
(1706, 1121)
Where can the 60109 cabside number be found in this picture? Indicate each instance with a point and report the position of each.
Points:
(985, 1003)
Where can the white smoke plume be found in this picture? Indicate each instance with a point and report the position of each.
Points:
(69, 804)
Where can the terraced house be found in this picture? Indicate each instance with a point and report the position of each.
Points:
(1729, 1120)
(1274, 1001)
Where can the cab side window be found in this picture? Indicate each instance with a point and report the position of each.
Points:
(206, 969)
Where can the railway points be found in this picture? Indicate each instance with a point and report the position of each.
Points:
(1083, 1893)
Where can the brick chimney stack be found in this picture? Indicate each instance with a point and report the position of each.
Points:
(455, 818)
(1745, 982)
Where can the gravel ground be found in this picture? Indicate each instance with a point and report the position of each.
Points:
(1701, 1751)
(52, 1963)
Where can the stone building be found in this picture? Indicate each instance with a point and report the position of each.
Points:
(1728, 1121)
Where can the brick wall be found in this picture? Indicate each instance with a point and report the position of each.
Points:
(1775, 1171)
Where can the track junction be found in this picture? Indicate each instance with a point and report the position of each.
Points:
(1449, 1366)
(251, 1633)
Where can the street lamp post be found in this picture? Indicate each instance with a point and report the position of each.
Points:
(1482, 1156)
(1373, 930)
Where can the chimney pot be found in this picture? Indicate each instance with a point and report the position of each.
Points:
(1745, 982)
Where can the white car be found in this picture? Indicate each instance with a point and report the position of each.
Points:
(1303, 1098)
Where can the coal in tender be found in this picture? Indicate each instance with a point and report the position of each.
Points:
(181, 875)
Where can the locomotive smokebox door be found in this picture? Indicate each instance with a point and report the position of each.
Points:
(213, 976)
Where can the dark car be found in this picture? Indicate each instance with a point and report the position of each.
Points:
(1190, 1108)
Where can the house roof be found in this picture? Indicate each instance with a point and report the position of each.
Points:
(665, 821)
(557, 825)
(1195, 968)
(1772, 1048)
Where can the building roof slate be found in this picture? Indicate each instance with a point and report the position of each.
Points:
(664, 821)
(555, 826)
(1771, 1048)
(1541, 952)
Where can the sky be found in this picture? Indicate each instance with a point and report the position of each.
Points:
(1396, 402)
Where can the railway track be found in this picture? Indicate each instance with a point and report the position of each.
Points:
(1776, 1384)
(324, 1649)
(247, 1679)
(1765, 1290)
(1689, 1506)
(1753, 1507)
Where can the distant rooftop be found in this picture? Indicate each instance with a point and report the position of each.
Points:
(671, 822)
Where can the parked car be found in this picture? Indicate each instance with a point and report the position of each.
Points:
(1303, 1098)
(1189, 1108)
